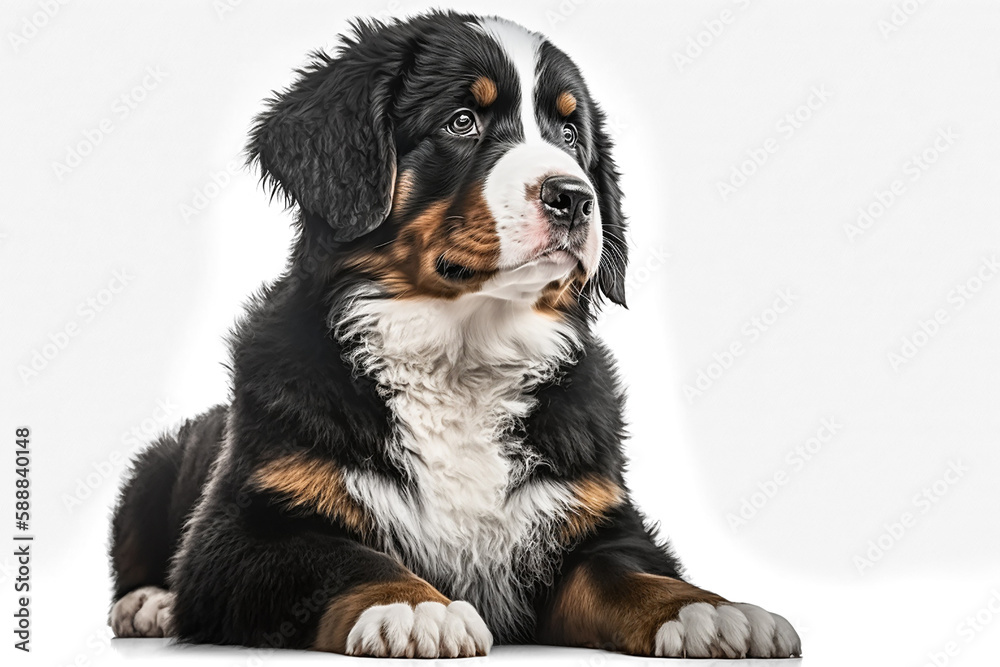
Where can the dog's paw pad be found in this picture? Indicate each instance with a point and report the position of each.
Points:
(145, 612)
(702, 630)
(429, 630)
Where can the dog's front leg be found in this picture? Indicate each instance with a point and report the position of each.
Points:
(603, 603)
(402, 617)
(314, 591)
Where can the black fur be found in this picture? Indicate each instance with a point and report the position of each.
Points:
(326, 144)
(165, 483)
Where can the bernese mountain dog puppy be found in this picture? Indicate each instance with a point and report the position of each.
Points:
(422, 455)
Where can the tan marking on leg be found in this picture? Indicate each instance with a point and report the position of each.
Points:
(620, 615)
(485, 91)
(565, 103)
(594, 497)
(313, 484)
(343, 610)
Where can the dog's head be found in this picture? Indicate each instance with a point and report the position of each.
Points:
(451, 155)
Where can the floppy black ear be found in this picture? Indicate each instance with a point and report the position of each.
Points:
(326, 143)
(614, 254)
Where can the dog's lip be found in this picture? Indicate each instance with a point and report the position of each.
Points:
(556, 256)
(561, 257)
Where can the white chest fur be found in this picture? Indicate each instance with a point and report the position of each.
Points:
(457, 376)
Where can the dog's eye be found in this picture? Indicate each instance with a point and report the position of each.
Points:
(463, 124)
(569, 134)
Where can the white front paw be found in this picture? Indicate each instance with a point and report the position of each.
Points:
(429, 630)
(702, 630)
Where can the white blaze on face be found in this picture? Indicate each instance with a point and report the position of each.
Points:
(521, 47)
(512, 187)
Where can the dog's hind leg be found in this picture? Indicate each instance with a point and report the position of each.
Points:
(142, 543)
(164, 484)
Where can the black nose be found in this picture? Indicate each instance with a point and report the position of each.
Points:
(568, 200)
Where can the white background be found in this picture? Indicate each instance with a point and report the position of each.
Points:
(889, 90)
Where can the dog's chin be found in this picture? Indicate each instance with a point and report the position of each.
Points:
(525, 282)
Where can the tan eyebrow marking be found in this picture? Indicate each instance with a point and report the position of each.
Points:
(565, 103)
(485, 91)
